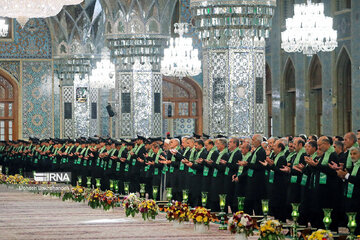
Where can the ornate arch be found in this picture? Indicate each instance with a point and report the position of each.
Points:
(315, 73)
(9, 107)
(289, 75)
(289, 98)
(343, 93)
(185, 98)
(315, 98)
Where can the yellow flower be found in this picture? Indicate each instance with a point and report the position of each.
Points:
(198, 219)
(206, 219)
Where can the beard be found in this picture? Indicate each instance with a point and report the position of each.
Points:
(354, 160)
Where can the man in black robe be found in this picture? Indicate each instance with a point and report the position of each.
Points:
(277, 180)
(255, 187)
(197, 172)
(231, 169)
(218, 176)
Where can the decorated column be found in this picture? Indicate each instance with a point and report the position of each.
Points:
(136, 37)
(77, 47)
(138, 89)
(233, 39)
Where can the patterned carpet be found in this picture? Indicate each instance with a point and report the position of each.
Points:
(29, 216)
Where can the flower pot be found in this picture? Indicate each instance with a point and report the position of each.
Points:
(178, 224)
(201, 228)
(240, 236)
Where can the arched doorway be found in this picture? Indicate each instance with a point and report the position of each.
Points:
(182, 106)
(315, 98)
(269, 100)
(289, 98)
(8, 108)
(343, 93)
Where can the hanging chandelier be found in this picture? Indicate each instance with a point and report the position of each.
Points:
(103, 76)
(181, 59)
(309, 31)
(23, 10)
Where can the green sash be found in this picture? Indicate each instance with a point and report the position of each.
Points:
(271, 174)
(128, 159)
(137, 152)
(98, 159)
(121, 151)
(81, 153)
(156, 170)
(325, 161)
(110, 160)
(173, 160)
(138, 149)
(86, 154)
(227, 169)
(298, 155)
(288, 158)
(327, 154)
(196, 158)
(253, 161)
(54, 158)
(293, 178)
(68, 149)
(218, 161)
(245, 158)
(182, 166)
(150, 154)
(350, 187)
(348, 160)
(192, 158)
(119, 156)
(77, 149)
(206, 169)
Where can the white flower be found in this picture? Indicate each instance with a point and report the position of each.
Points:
(244, 222)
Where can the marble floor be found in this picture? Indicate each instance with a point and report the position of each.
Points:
(25, 215)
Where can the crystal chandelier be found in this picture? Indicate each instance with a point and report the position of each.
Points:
(22, 10)
(309, 31)
(69, 67)
(180, 59)
(103, 76)
(220, 22)
(4, 28)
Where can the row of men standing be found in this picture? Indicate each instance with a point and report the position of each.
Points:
(297, 171)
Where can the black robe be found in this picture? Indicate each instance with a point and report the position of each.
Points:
(255, 187)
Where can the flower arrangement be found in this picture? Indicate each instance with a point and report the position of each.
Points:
(108, 200)
(271, 229)
(94, 198)
(25, 181)
(55, 194)
(178, 211)
(241, 223)
(148, 209)
(67, 196)
(200, 215)
(2, 178)
(78, 193)
(18, 178)
(32, 182)
(131, 204)
(321, 234)
(11, 179)
(14, 179)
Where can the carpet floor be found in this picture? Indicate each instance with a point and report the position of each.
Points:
(25, 215)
